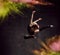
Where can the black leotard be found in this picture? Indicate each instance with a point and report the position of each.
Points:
(31, 29)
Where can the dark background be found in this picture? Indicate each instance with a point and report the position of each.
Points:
(13, 29)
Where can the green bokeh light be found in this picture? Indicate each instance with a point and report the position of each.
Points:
(53, 53)
(7, 7)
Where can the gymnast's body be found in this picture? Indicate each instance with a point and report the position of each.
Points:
(34, 28)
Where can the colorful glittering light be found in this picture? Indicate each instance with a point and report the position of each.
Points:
(52, 44)
(6, 6)
(33, 2)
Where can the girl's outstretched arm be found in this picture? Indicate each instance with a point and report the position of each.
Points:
(38, 20)
(31, 21)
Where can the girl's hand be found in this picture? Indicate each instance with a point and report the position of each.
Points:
(40, 19)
